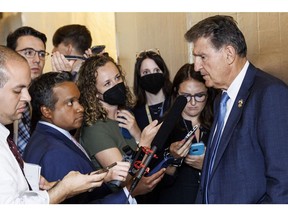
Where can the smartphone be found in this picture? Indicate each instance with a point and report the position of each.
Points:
(74, 57)
(191, 132)
(197, 149)
(106, 169)
(97, 49)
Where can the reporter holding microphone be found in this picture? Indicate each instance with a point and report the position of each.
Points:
(180, 184)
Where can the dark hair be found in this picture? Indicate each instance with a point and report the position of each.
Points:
(77, 35)
(41, 92)
(138, 90)
(24, 31)
(88, 73)
(7, 54)
(221, 30)
(187, 72)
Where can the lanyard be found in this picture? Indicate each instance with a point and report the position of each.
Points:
(148, 113)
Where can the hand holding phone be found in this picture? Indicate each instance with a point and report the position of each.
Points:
(106, 169)
(190, 133)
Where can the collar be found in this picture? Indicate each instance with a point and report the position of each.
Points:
(233, 89)
(65, 132)
(4, 132)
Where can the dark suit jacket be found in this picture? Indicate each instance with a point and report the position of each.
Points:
(58, 155)
(251, 163)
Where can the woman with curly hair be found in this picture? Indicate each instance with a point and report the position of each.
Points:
(108, 125)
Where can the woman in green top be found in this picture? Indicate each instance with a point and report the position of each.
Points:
(108, 125)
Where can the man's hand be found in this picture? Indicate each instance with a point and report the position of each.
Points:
(60, 63)
(118, 172)
(74, 183)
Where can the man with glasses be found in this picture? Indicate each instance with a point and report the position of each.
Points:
(31, 44)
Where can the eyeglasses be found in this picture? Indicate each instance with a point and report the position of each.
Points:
(199, 97)
(30, 53)
(143, 53)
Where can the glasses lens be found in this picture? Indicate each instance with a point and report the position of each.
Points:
(29, 53)
(42, 54)
(200, 97)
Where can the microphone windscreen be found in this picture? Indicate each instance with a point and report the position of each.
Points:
(169, 122)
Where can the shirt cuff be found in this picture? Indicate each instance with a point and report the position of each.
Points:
(130, 198)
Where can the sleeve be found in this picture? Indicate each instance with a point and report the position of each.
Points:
(99, 137)
(272, 135)
(56, 163)
(13, 186)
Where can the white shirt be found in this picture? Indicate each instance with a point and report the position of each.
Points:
(13, 185)
(233, 90)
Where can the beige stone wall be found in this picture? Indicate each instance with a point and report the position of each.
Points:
(141, 31)
(266, 37)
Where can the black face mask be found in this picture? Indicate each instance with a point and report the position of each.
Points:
(152, 82)
(115, 95)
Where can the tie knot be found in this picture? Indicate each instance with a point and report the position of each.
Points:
(224, 98)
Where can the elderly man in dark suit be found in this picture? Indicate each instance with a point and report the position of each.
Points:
(247, 162)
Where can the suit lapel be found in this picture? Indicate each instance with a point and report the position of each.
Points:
(65, 140)
(235, 114)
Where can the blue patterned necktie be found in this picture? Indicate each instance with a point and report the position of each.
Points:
(23, 131)
(216, 139)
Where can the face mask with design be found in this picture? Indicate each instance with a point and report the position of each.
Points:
(116, 95)
(152, 82)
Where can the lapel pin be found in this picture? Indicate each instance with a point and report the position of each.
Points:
(240, 103)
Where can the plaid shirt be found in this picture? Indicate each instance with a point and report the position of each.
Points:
(23, 131)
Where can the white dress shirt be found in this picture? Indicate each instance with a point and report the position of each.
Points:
(233, 90)
(13, 185)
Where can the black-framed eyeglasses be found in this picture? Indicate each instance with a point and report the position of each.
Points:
(198, 97)
(30, 53)
(154, 51)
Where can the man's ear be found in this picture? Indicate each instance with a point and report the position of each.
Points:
(46, 112)
(230, 54)
(70, 49)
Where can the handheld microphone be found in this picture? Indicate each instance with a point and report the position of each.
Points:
(169, 122)
(141, 172)
(161, 136)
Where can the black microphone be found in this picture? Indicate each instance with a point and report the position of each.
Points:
(140, 173)
(161, 136)
(169, 122)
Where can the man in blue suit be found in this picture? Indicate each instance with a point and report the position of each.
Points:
(55, 104)
(250, 163)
